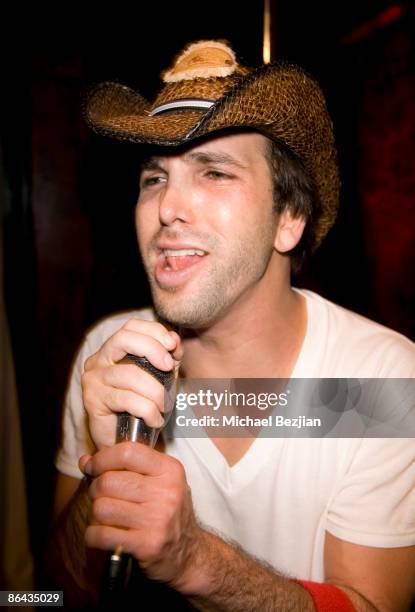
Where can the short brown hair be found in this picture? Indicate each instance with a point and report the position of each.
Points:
(294, 188)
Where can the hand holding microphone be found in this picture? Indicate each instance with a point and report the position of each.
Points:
(113, 384)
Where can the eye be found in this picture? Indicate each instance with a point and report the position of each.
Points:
(149, 181)
(217, 175)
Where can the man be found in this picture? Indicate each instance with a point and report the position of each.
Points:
(241, 181)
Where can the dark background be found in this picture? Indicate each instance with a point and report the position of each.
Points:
(69, 244)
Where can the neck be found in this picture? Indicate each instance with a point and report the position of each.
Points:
(260, 336)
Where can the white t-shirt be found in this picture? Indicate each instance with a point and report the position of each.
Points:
(281, 497)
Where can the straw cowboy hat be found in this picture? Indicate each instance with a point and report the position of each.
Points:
(206, 90)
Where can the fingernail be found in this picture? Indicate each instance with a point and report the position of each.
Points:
(168, 360)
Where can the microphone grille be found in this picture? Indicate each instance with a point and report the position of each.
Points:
(165, 378)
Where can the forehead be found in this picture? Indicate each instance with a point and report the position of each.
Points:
(240, 149)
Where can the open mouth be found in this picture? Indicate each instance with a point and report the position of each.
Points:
(179, 259)
(174, 266)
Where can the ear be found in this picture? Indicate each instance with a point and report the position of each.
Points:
(289, 231)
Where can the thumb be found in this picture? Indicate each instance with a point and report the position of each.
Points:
(83, 460)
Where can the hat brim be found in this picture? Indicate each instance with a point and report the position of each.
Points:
(117, 111)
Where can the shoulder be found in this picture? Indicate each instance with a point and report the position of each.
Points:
(360, 347)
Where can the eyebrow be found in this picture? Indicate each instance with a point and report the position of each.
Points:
(211, 157)
(151, 163)
(200, 157)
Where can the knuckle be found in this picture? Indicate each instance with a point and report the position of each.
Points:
(127, 452)
(85, 377)
(132, 324)
(128, 324)
(121, 336)
(120, 399)
(173, 498)
(89, 362)
(133, 403)
(176, 470)
(156, 546)
(104, 483)
(99, 508)
(88, 397)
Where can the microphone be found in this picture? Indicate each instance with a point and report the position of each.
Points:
(133, 429)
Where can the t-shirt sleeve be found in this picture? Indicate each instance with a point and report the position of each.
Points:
(76, 440)
(374, 504)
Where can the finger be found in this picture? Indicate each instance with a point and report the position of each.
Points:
(119, 400)
(178, 351)
(142, 544)
(132, 457)
(108, 538)
(83, 460)
(126, 341)
(121, 484)
(117, 513)
(132, 378)
(153, 328)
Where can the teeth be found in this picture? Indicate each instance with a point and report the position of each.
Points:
(182, 252)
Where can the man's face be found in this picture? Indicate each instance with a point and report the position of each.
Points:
(206, 225)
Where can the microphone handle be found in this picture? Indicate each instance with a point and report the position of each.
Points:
(130, 427)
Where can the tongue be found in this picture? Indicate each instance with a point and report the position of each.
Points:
(184, 261)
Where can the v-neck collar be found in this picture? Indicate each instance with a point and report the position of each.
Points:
(257, 454)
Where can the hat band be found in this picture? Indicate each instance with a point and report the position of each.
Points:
(192, 103)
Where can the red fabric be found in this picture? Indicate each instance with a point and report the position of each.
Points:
(327, 597)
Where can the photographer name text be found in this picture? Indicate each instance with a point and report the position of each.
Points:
(298, 422)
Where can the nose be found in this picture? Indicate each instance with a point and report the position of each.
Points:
(175, 203)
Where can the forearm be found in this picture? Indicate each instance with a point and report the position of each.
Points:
(74, 567)
(223, 577)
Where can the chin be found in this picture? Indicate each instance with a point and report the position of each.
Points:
(184, 313)
(181, 317)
